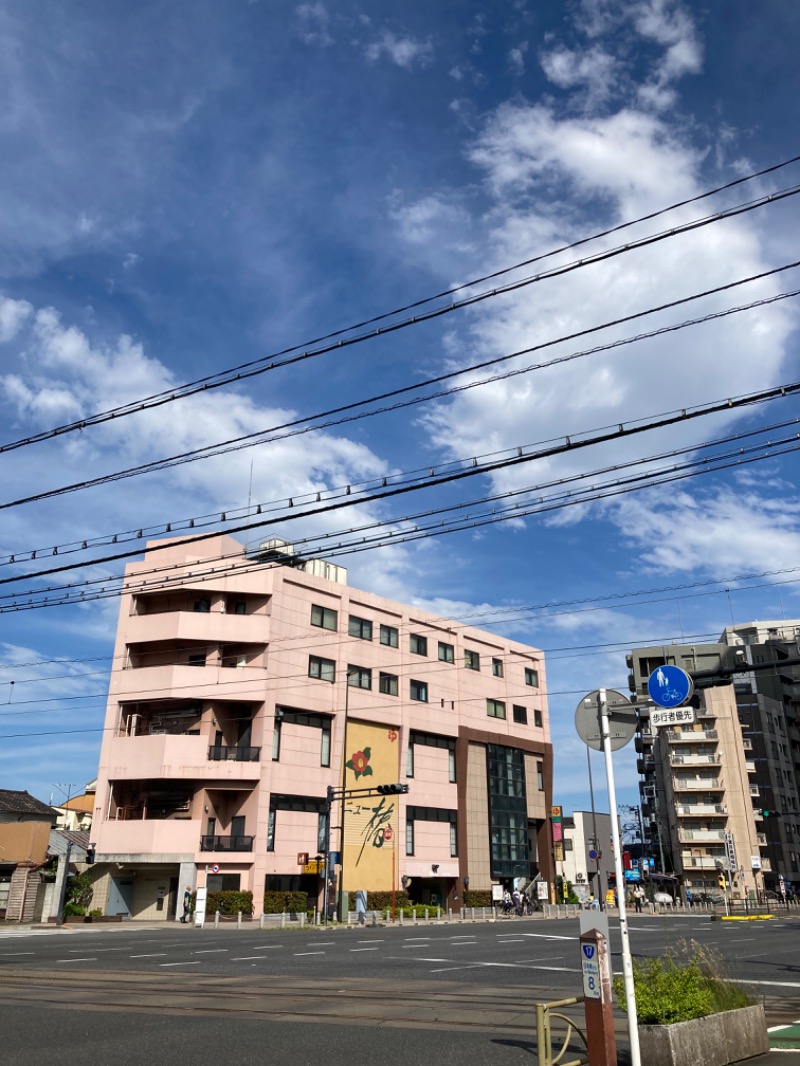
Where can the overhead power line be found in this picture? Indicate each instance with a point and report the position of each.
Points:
(318, 347)
(299, 426)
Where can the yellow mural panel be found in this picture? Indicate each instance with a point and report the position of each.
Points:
(371, 823)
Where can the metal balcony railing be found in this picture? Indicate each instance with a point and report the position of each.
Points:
(233, 753)
(226, 843)
(693, 736)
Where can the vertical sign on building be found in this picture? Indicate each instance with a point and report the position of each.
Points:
(558, 833)
(731, 850)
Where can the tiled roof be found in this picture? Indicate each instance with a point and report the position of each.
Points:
(13, 802)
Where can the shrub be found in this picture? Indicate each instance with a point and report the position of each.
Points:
(292, 902)
(80, 890)
(229, 903)
(668, 991)
(73, 910)
(380, 901)
(478, 897)
(96, 913)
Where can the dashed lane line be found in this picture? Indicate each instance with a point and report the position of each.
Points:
(195, 963)
(209, 951)
(92, 958)
(247, 958)
(8, 954)
(152, 955)
(370, 941)
(298, 953)
(363, 949)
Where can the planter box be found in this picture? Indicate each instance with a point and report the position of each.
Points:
(716, 1040)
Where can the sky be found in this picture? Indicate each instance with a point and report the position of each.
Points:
(192, 187)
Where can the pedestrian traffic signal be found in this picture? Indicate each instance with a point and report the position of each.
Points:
(90, 851)
(390, 790)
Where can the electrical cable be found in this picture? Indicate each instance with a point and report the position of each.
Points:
(261, 365)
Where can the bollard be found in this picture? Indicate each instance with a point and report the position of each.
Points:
(601, 1042)
(261, 921)
(438, 913)
(463, 913)
(414, 912)
(449, 915)
(283, 920)
(238, 919)
(303, 919)
(427, 918)
(216, 920)
(400, 915)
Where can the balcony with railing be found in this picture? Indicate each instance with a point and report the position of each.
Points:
(701, 862)
(695, 759)
(697, 784)
(233, 753)
(226, 842)
(702, 836)
(750, 766)
(693, 736)
(704, 810)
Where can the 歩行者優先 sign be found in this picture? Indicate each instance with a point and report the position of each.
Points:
(680, 716)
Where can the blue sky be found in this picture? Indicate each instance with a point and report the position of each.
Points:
(190, 186)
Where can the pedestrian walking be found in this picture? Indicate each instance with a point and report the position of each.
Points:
(638, 898)
(187, 905)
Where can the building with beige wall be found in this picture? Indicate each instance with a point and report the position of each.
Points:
(240, 684)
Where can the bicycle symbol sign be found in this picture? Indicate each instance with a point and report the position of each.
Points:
(669, 686)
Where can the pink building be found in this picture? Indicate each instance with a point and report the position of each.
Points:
(234, 677)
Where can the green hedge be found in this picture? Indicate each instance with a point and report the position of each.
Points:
(229, 903)
(292, 902)
(478, 897)
(379, 901)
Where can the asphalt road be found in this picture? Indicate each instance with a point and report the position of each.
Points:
(124, 995)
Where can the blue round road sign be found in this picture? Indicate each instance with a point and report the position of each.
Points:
(669, 686)
(593, 854)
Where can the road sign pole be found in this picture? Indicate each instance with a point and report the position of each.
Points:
(627, 964)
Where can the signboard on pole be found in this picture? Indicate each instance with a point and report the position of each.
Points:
(680, 716)
(731, 852)
(200, 907)
(590, 967)
(669, 686)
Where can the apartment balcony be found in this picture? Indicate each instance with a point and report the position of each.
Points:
(147, 836)
(762, 839)
(750, 766)
(179, 757)
(694, 760)
(214, 627)
(235, 753)
(703, 810)
(229, 842)
(700, 862)
(766, 865)
(695, 736)
(753, 790)
(191, 682)
(697, 784)
(702, 836)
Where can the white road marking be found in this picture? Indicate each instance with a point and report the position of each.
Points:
(417, 939)
(7, 954)
(195, 963)
(297, 953)
(549, 936)
(742, 939)
(209, 951)
(246, 958)
(268, 947)
(96, 949)
(370, 941)
(462, 937)
(93, 958)
(321, 943)
(154, 955)
(363, 949)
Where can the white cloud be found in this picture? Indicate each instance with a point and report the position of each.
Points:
(314, 24)
(516, 58)
(406, 52)
(592, 69)
(13, 315)
(719, 533)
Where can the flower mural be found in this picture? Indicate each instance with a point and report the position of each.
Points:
(359, 763)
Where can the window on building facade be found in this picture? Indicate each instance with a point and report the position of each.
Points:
(472, 659)
(497, 667)
(447, 653)
(276, 740)
(531, 676)
(540, 776)
(387, 684)
(389, 636)
(359, 627)
(418, 691)
(287, 716)
(418, 645)
(409, 836)
(537, 719)
(453, 841)
(306, 804)
(203, 606)
(431, 814)
(495, 708)
(321, 669)
(359, 677)
(324, 617)
(520, 715)
(197, 659)
(431, 740)
(508, 815)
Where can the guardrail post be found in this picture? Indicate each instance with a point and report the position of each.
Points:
(216, 920)
(261, 921)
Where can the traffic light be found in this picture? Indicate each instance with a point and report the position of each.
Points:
(90, 851)
(772, 814)
(390, 790)
(723, 884)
